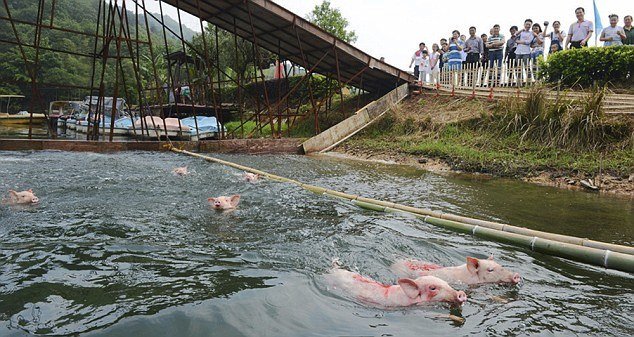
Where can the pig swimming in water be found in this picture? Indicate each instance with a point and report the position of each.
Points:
(180, 171)
(475, 271)
(224, 203)
(21, 198)
(407, 292)
(251, 177)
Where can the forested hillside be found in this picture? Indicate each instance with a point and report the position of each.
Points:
(71, 69)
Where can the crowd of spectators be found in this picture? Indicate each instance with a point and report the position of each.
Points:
(522, 45)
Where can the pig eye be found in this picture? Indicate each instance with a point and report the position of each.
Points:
(432, 287)
(490, 270)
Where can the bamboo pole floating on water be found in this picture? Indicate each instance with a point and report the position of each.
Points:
(597, 253)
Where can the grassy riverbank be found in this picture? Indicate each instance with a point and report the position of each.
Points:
(503, 139)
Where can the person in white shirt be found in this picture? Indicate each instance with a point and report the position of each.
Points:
(463, 53)
(613, 35)
(425, 68)
(524, 41)
(434, 63)
(537, 46)
(580, 31)
(417, 57)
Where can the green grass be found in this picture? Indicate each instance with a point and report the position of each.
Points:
(475, 149)
(250, 127)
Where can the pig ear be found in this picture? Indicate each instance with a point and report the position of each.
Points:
(410, 288)
(30, 190)
(12, 192)
(472, 264)
(491, 257)
(235, 199)
(211, 199)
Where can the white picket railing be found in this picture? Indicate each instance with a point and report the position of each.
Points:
(512, 73)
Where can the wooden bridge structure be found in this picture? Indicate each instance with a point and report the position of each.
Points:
(122, 30)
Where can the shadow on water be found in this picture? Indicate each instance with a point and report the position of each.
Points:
(119, 247)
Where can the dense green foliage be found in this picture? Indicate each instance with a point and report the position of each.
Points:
(76, 69)
(331, 20)
(236, 56)
(591, 66)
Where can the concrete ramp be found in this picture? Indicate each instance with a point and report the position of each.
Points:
(334, 136)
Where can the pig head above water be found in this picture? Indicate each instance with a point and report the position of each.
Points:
(180, 171)
(224, 203)
(251, 177)
(21, 198)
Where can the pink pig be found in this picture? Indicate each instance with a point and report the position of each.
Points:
(251, 177)
(180, 171)
(21, 198)
(224, 203)
(475, 271)
(407, 292)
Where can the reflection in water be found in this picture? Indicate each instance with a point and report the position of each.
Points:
(22, 131)
(119, 246)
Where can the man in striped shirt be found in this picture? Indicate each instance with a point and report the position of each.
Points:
(495, 43)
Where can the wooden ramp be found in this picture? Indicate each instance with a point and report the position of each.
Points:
(334, 136)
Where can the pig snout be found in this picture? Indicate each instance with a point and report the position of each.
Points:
(461, 297)
(35, 200)
(516, 278)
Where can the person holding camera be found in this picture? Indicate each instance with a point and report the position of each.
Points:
(613, 34)
(580, 31)
(454, 58)
(556, 36)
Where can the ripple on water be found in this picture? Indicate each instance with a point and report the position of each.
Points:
(119, 246)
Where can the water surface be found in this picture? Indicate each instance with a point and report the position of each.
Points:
(120, 247)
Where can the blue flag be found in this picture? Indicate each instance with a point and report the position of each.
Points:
(598, 26)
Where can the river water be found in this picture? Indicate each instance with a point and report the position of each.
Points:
(120, 247)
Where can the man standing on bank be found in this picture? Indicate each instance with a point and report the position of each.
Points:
(473, 46)
(580, 31)
(627, 28)
(417, 58)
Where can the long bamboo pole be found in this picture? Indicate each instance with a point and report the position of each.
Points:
(597, 253)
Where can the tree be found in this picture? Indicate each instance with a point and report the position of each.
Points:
(331, 20)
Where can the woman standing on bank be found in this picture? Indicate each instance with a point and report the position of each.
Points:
(454, 58)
